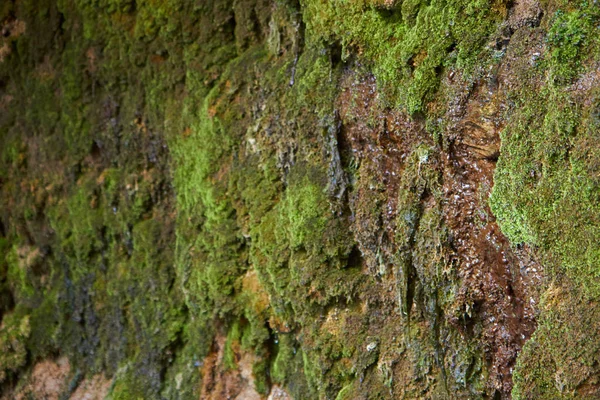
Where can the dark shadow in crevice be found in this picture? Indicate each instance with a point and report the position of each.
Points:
(355, 258)
(335, 53)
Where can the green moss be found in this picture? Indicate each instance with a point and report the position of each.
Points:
(19, 261)
(566, 35)
(559, 361)
(232, 345)
(408, 47)
(263, 245)
(260, 372)
(303, 214)
(204, 208)
(123, 389)
(545, 190)
(78, 222)
(545, 195)
(14, 332)
(286, 354)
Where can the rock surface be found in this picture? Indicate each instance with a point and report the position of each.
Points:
(282, 199)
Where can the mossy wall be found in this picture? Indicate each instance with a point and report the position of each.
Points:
(262, 198)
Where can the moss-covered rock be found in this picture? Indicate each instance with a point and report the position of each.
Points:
(251, 198)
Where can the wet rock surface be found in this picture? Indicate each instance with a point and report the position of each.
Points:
(274, 200)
